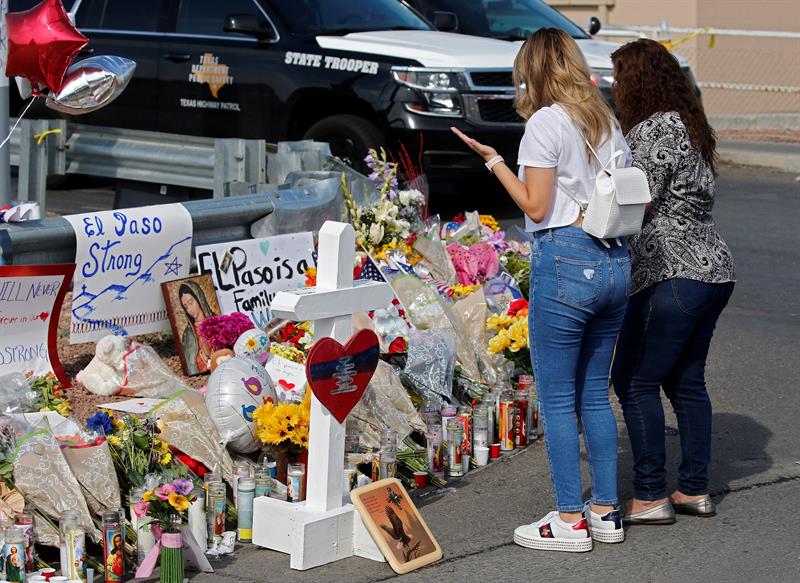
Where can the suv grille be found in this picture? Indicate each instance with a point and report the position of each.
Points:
(492, 78)
(498, 111)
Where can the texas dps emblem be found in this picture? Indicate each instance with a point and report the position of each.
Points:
(211, 72)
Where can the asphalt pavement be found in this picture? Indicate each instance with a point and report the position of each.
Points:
(755, 474)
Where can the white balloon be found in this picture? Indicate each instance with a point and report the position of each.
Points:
(235, 389)
(253, 343)
(91, 84)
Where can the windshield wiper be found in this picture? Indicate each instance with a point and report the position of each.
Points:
(511, 37)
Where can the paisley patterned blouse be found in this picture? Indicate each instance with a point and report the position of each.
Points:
(678, 238)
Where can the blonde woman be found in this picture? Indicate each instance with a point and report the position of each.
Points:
(579, 284)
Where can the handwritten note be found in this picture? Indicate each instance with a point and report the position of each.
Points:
(288, 377)
(248, 274)
(30, 304)
(122, 257)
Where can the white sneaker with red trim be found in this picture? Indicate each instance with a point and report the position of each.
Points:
(553, 534)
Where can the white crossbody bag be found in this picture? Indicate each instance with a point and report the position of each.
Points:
(616, 207)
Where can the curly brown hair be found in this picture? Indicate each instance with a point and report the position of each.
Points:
(649, 80)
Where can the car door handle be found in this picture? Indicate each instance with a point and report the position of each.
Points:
(86, 51)
(178, 57)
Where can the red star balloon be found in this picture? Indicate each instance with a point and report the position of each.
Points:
(41, 44)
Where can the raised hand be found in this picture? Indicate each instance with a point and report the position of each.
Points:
(484, 151)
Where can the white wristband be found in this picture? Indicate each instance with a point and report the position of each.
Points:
(493, 162)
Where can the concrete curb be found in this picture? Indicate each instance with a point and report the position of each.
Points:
(779, 156)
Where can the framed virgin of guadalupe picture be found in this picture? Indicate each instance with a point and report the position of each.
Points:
(396, 525)
(190, 300)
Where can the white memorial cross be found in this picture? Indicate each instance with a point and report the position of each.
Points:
(321, 530)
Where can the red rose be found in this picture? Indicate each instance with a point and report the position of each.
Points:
(517, 306)
(398, 345)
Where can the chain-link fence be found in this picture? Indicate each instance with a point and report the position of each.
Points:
(739, 71)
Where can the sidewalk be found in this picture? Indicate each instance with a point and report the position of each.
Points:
(783, 156)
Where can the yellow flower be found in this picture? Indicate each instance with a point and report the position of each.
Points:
(250, 343)
(63, 408)
(500, 342)
(147, 495)
(501, 321)
(113, 440)
(166, 459)
(518, 333)
(118, 423)
(490, 221)
(300, 436)
(160, 446)
(178, 502)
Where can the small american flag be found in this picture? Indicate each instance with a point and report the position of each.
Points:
(370, 271)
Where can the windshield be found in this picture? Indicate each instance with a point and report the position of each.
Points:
(505, 19)
(344, 16)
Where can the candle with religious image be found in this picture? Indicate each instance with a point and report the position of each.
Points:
(14, 554)
(296, 475)
(215, 510)
(113, 547)
(25, 521)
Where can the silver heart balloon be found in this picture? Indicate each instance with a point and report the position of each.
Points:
(91, 84)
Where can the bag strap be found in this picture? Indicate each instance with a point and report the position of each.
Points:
(583, 206)
(613, 158)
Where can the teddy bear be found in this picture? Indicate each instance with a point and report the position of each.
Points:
(105, 373)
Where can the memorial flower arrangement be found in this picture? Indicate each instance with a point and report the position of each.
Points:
(136, 448)
(49, 395)
(222, 331)
(167, 506)
(393, 217)
(284, 426)
(511, 337)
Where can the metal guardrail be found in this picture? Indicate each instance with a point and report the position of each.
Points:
(46, 147)
(52, 240)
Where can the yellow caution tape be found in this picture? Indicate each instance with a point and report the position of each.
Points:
(40, 137)
(669, 44)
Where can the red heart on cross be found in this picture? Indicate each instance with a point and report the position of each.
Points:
(338, 374)
(43, 316)
(286, 384)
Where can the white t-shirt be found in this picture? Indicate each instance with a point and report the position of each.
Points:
(552, 141)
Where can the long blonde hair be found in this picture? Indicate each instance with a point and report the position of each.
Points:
(553, 70)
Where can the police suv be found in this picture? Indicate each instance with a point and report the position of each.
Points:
(355, 74)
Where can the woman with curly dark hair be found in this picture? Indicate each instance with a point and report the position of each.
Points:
(683, 276)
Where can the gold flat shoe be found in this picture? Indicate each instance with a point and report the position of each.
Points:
(704, 507)
(661, 514)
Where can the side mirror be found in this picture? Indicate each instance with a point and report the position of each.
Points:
(594, 25)
(249, 24)
(445, 21)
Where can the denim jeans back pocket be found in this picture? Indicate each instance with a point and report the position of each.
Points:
(579, 281)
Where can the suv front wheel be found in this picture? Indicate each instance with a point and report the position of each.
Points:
(350, 137)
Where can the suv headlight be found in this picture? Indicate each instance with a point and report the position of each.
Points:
(603, 78)
(438, 91)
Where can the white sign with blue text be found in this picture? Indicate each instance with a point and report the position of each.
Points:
(122, 257)
(247, 274)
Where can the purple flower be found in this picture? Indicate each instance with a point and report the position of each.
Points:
(183, 486)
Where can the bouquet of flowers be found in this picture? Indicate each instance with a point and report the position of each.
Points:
(284, 426)
(136, 448)
(392, 218)
(50, 396)
(222, 331)
(167, 507)
(511, 338)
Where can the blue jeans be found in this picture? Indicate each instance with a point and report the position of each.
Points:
(578, 296)
(664, 344)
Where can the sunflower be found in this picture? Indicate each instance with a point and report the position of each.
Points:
(147, 495)
(300, 436)
(166, 459)
(114, 440)
(490, 222)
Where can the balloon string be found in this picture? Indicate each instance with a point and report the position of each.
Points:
(16, 123)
